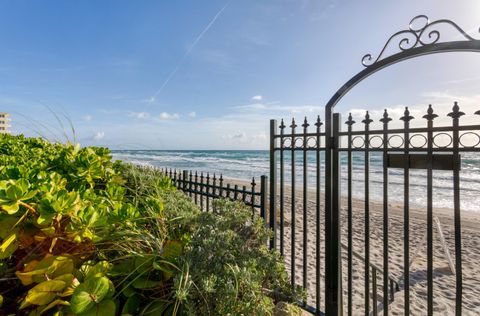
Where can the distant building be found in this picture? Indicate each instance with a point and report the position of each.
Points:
(4, 123)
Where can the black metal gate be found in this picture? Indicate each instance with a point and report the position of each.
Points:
(308, 224)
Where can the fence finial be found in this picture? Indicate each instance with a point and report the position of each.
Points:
(350, 120)
(430, 116)
(319, 122)
(367, 119)
(456, 113)
(282, 125)
(406, 115)
(385, 118)
(293, 123)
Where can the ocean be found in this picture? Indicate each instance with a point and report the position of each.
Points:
(245, 164)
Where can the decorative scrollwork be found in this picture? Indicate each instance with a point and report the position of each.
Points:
(420, 33)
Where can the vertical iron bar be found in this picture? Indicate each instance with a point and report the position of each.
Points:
(318, 124)
(190, 184)
(252, 199)
(282, 192)
(406, 213)
(305, 206)
(293, 211)
(367, 122)
(374, 289)
(196, 188)
(385, 121)
(201, 190)
(244, 195)
(235, 192)
(220, 190)
(455, 115)
(350, 122)
(273, 184)
(207, 195)
(263, 197)
(185, 182)
(430, 117)
(214, 195)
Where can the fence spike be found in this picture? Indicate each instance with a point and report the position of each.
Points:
(253, 182)
(456, 113)
(406, 115)
(282, 125)
(367, 119)
(293, 123)
(305, 124)
(430, 116)
(350, 120)
(385, 118)
(319, 122)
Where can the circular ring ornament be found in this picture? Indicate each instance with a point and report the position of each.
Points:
(391, 141)
(419, 136)
(439, 145)
(372, 142)
(469, 133)
(287, 143)
(358, 144)
(298, 140)
(311, 142)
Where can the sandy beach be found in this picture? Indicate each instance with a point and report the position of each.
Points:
(444, 279)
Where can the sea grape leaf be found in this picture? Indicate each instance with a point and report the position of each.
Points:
(8, 246)
(145, 283)
(6, 224)
(55, 266)
(45, 292)
(89, 293)
(55, 303)
(104, 308)
(132, 305)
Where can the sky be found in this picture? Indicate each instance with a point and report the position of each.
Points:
(211, 74)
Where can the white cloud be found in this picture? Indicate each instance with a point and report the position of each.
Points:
(237, 136)
(192, 114)
(164, 116)
(140, 115)
(87, 118)
(257, 98)
(99, 136)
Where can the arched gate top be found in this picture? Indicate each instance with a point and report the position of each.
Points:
(421, 38)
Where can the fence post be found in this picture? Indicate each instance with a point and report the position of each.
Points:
(263, 197)
(273, 186)
(185, 184)
(333, 290)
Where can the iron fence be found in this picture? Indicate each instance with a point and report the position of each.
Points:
(203, 189)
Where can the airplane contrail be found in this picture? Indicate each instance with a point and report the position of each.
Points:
(182, 60)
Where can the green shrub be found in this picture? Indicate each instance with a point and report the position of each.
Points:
(81, 234)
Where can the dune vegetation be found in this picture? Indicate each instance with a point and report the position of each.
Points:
(81, 234)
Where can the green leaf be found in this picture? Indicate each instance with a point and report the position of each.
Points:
(45, 292)
(145, 283)
(104, 308)
(155, 308)
(8, 247)
(132, 305)
(55, 266)
(89, 293)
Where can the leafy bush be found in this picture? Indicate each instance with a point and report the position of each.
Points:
(81, 234)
